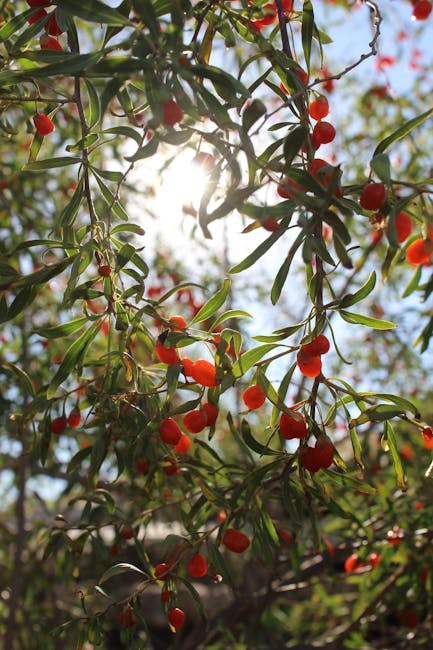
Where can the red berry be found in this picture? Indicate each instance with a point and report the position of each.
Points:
(195, 421)
(37, 16)
(43, 124)
(183, 446)
(127, 618)
(373, 560)
(421, 9)
(271, 224)
(427, 433)
(49, 43)
(52, 27)
(162, 571)
(170, 356)
(197, 566)
(114, 549)
(403, 226)
(288, 539)
(141, 466)
(104, 270)
(373, 196)
(165, 595)
(309, 459)
(176, 617)
(170, 432)
(324, 451)
(74, 418)
(419, 251)
(126, 532)
(211, 411)
(254, 397)
(171, 113)
(58, 425)
(353, 564)
(235, 540)
(323, 133)
(319, 345)
(293, 427)
(171, 469)
(319, 108)
(38, 3)
(289, 189)
(310, 366)
(203, 372)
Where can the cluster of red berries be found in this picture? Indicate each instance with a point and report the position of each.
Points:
(60, 423)
(321, 456)
(354, 564)
(309, 356)
(51, 25)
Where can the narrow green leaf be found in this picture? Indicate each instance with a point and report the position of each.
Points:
(51, 163)
(21, 375)
(249, 358)
(283, 271)
(254, 444)
(70, 211)
(402, 131)
(376, 413)
(229, 315)
(292, 144)
(347, 481)
(225, 85)
(351, 299)
(61, 330)
(359, 319)
(253, 112)
(93, 11)
(307, 30)
(127, 131)
(118, 569)
(389, 437)
(213, 304)
(356, 446)
(148, 150)
(72, 357)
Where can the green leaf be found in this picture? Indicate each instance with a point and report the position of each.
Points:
(118, 569)
(389, 441)
(61, 330)
(359, 319)
(356, 446)
(148, 150)
(51, 163)
(347, 481)
(70, 211)
(252, 113)
(225, 85)
(229, 315)
(292, 144)
(283, 271)
(20, 374)
(249, 358)
(72, 357)
(382, 167)
(127, 131)
(377, 413)
(261, 248)
(351, 299)
(213, 304)
(254, 444)
(307, 30)
(14, 25)
(402, 131)
(93, 11)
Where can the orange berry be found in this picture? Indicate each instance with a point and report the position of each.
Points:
(319, 108)
(310, 366)
(170, 356)
(323, 133)
(104, 270)
(289, 189)
(49, 43)
(203, 372)
(52, 26)
(195, 421)
(235, 540)
(170, 432)
(183, 445)
(353, 564)
(197, 566)
(37, 16)
(419, 251)
(177, 322)
(403, 226)
(74, 418)
(211, 411)
(253, 397)
(293, 427)
(43, 124)
(421, 9)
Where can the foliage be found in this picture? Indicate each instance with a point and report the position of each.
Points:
(130, 445)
